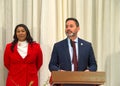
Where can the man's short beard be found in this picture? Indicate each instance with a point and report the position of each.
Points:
(70, 35)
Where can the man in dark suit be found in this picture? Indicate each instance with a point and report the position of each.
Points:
(62, 54)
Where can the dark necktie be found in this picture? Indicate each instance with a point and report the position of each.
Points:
(74, 59)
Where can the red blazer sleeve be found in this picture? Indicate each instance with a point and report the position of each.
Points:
(6, 56)
(39, 60)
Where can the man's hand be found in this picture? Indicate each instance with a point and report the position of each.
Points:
(87, 70)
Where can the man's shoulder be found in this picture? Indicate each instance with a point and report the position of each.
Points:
(80, 40)
(61, 42)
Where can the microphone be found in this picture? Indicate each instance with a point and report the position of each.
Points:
(72, 34)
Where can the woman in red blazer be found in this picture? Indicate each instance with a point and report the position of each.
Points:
(23, 58)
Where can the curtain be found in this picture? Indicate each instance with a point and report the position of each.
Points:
(99, 24)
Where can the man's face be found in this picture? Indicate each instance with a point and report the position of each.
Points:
(71, 28)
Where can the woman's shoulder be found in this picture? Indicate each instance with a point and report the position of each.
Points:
(8, 44)
(35, 44)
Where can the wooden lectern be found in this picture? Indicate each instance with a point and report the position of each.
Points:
(69, 77)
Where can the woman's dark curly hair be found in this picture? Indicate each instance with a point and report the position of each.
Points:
(29, 39)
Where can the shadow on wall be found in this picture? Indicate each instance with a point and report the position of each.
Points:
(44, 71)
(113, 70)
(2, 79)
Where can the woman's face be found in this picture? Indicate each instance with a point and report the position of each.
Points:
(21, 34)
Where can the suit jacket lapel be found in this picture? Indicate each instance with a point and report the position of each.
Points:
(29, 51)
(17, 53)
(80, 45)
(66, 47)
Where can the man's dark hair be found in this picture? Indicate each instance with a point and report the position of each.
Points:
(74, 19)
(29, 39)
